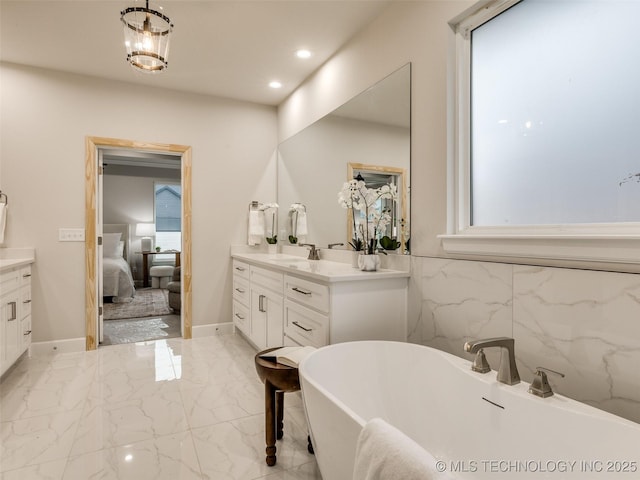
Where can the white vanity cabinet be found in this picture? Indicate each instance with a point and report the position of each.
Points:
(298, 302)
(257, 304)
(241, 297)
(320, 314)
(15, 314)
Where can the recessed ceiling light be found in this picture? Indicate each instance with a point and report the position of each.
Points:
(303, 53)
(275, 84)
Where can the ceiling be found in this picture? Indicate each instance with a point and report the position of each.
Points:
(229, 49)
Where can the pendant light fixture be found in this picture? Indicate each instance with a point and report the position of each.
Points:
(146, 37)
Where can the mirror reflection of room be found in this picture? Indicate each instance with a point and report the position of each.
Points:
(142, 198)
(371, 129)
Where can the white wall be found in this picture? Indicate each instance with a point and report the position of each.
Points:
(45, 116)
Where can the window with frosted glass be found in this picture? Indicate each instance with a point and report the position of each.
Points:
(555, 114)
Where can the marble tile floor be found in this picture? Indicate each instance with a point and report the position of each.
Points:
(167, 409)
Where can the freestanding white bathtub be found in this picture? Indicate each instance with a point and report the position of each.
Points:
(474, 426)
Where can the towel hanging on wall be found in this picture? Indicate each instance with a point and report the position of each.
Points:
(255, 229)
(4, 205)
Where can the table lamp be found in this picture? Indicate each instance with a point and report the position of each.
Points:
(146, 231)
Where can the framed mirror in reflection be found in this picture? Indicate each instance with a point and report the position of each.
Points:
(391, 235)
(369, 135)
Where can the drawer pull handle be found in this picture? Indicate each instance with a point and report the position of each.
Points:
(27, 301)
(239, 316)
(240, 269)
(239, 290)
(14, 313)
(28, 332)
(304, 292)
(303, 328)
(26, 275)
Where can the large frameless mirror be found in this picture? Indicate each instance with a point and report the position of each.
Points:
(370, 136)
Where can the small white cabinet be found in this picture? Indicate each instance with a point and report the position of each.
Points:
(15, 314)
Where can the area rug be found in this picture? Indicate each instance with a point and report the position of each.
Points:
(149, 302)
(140, 329)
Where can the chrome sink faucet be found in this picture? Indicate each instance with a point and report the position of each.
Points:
(313, 251)
(508, 372)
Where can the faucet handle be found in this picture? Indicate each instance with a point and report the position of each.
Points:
(540, 384)
(480, 363)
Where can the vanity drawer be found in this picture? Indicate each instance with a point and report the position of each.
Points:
(305, 326)
(267, 278)
(314, 295)
(25, 301)
(241, 290)
(9, 280)
(241, 317)
(25, 275)
(241, 269)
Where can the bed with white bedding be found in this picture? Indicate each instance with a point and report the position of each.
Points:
(117, 281)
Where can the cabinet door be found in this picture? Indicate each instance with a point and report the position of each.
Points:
(11, 325)
(275, 328)
(258, 333)
(266, 318)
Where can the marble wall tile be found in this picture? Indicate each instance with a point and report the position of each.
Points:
(464, 300)
(414, 307)
(585, 324)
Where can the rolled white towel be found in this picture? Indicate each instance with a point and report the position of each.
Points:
(256, 227)
(3, 220)
(385, 453)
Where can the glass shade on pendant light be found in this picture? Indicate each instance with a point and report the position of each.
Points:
(146, 38)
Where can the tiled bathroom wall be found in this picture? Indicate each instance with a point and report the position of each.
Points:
(585, 324)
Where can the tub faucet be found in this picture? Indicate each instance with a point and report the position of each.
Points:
(508, 372)
(313, 251)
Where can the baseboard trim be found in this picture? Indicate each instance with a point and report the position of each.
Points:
(67, 345)
(198, 331)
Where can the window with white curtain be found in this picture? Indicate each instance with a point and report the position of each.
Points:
(548, 96)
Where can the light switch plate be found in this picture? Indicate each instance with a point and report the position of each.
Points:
(71, 234)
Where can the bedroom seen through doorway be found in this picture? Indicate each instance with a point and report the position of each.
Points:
(141, 195)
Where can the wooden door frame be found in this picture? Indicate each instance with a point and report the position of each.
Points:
(92, 144)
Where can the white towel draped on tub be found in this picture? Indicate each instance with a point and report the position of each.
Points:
(256, 227)
(385, 453)
(3, 220)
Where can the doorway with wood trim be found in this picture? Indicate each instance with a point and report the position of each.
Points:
(95, 147)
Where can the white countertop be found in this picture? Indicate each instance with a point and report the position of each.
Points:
(16, 257)
(323, 270)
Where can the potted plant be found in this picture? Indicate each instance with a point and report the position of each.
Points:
(356, 196)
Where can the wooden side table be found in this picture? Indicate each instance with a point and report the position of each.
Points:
(277, 379)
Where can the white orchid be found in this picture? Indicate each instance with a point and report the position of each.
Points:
(273, 239)
(356, 196)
